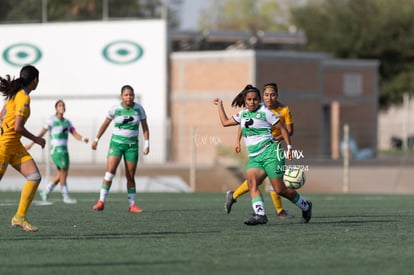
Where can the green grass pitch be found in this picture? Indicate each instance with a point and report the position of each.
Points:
(189, 233)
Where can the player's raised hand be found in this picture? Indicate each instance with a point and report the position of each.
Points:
(217, 101)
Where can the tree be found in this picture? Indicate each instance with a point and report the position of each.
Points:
(366, 29)
(361, 29)
(247, 15)
(31, 11)
(21, 11)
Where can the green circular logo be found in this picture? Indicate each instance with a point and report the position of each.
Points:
(21, 54)
(122, 52)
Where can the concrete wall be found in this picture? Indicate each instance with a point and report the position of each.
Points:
(86, 64)
(354, 84)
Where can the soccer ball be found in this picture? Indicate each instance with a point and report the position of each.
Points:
(294, 177)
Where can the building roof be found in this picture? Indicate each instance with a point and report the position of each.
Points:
(224, 40)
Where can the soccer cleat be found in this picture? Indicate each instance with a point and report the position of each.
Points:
(44, 196)
(284, 215)
(23, 223)
(69, 200)
(229, 201)
(99, 206)
(135, 209)
(256, 219)
(307, 215)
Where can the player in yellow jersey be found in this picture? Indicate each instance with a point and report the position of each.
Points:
(270, 98)
(13, 117)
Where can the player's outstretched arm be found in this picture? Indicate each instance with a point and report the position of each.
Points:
(225, 121)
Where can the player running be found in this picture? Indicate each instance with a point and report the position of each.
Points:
(266, 158)
(270, 98)
(13, 117)
(59, 128)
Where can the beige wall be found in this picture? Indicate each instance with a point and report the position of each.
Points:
(197, 78)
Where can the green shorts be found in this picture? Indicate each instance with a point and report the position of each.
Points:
(129, 151)
(61, 160)
(272, 161)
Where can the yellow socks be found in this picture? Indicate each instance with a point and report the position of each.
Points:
(26, 197)
(277, 201)
(241, 190)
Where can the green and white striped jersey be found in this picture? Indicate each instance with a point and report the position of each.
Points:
(126, 122)
(58, 133)
(256, 128)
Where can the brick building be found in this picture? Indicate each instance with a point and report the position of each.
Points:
(323, 93)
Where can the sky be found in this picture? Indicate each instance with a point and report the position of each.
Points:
(191, 12)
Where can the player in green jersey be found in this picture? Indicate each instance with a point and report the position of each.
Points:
(127, 116)
(270, 98)
(266, 158)
(59, 128)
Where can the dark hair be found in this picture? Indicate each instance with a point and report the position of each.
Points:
(59, 101)
(240, 99)
(126, 87)
(9, 87)
(271, 85)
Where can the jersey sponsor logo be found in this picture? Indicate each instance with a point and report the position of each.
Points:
(249, 122)
(127, 119)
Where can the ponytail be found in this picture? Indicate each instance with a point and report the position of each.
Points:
(9, 87)
(240, 99)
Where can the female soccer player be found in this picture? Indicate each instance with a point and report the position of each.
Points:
(127, 116)
(270, 98)
(265, 156)
(59, 128)
(13, 117)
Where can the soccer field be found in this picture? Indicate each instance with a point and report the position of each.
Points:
(189, 233)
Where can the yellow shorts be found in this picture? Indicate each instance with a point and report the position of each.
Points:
(14, 155)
